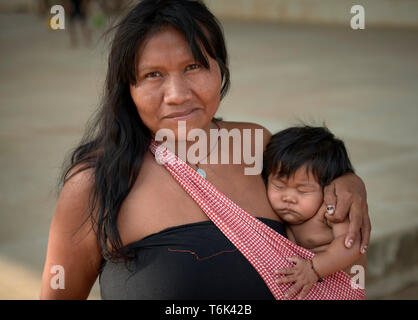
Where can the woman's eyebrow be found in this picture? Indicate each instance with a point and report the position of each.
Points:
(146, 67)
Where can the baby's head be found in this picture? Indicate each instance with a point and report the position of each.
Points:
(298, 163)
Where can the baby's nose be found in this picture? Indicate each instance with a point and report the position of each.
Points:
(289, 198)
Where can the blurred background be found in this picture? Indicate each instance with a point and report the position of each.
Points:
(290, 61)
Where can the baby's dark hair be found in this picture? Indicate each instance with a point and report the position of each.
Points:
(316, 147)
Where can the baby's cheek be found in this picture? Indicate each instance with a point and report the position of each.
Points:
(273, 197)
(313, 204)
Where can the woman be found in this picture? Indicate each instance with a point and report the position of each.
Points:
(168, 63)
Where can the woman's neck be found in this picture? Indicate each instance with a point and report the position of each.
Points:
(192, 146)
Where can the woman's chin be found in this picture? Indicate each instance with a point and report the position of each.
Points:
(182, 128)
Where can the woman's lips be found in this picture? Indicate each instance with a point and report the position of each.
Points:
(182, 115)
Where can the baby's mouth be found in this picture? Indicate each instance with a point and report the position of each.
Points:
(287, 211)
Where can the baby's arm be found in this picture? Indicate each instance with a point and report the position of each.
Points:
(337, 257)
(306, 273)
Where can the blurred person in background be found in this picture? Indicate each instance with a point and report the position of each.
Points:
(78, 15)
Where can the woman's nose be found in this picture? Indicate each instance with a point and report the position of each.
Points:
(177, 91)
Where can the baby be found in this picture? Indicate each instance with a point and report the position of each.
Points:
(298, 163)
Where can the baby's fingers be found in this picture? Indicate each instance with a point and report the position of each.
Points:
(285, 271)
(292, 291)
(286, 279)
(304, 292)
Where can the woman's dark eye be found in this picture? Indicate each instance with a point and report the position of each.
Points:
(192, 66)
(153, 74)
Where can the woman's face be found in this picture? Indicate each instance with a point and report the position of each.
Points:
(171, 86)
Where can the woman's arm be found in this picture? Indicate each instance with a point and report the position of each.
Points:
(347, 194)
(72, 244)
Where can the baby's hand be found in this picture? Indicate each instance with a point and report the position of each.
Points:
(302, 274)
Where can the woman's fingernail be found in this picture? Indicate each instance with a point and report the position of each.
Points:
(330, 209)
(349, 243)
(363, 249)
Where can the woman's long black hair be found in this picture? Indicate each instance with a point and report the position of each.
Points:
(115, 143)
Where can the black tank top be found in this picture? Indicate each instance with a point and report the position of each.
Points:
(188, 262)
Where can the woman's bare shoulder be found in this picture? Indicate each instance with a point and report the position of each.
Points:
(72, 241)
(73, 206)
(229, 125)
(80, 175)
(77, 186)
(241, 125)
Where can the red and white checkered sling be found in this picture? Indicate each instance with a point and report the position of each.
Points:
(263, 247)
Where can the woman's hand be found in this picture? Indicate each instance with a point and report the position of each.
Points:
(347, 195)
(302, 274)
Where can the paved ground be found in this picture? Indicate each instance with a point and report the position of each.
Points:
(361, 83)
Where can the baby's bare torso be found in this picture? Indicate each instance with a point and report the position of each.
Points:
(316, 235)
